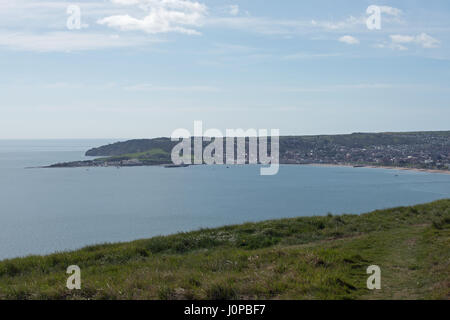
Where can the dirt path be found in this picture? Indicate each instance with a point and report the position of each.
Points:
(405, 273)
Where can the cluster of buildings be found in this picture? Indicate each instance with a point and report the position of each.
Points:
(433, 153)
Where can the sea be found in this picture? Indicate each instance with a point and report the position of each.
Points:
(52, 210)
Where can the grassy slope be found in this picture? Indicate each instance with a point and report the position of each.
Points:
(302, 258)
(150, 157)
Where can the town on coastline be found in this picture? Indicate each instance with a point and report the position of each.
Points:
(416, 150)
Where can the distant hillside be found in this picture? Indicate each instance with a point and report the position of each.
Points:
(132, 146)
(427, 150)
(354, 140)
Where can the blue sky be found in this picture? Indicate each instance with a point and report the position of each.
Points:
(143, 68)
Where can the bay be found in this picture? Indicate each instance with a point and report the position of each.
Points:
(48, 210)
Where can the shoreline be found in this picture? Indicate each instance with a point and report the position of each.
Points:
(66, 165)
(377, 167)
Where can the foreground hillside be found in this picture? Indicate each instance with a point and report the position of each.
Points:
(302, 258)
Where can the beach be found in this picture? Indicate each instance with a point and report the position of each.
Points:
(378, 167)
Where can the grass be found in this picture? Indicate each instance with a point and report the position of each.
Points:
(144, 155)
(300, 258)
(150, 155)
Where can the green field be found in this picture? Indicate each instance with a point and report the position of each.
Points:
(300, 258)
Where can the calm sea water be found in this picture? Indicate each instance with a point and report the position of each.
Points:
(48, 210)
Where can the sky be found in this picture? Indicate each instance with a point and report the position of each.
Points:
(144, 68)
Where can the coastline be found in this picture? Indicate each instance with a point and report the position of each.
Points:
(89, 164)
(378, 167)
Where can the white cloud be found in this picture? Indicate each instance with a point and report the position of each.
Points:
(184, 89)
(398, 38)
(399, 47)
(172, 4)
(304, 56)
(391, 11)
(427, 41)
(422, 39)
(348, 23)
(126, 2)
(163, 16)
(67, 41)
(349, 40)
(393, 46)
(351, 87)
(269, 26)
